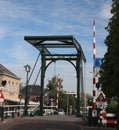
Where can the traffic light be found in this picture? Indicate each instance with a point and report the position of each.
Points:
(4, 82)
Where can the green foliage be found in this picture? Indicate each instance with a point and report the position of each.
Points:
(89, 99)
(52, 94)
(110, 65)
(112, 106)
(63, 100)
(52, 84)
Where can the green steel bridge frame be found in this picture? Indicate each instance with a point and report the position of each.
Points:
(44, 44)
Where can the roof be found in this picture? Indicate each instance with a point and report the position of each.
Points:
(33, 90)
(5, 71)
(47, 44)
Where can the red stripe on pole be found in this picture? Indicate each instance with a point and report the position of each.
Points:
(94, 93)
(94, 45)
(94, 106)
(94, 56)
(94, 81)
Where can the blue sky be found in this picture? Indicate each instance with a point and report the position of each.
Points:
(51, 17)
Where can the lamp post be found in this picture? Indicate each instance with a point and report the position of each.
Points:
(27, 69)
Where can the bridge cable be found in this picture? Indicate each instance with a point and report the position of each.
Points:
(34, 67)
(37, 76)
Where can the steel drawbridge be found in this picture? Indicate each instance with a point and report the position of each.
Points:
(64, 48)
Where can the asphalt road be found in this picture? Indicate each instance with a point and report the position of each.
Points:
(53, 122)
(42, 123)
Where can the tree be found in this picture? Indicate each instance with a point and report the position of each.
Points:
(52, 83)
(110, 65)
(62, 102)
(89, 99)
(52, 86)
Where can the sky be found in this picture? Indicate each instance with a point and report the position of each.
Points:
(19, 18)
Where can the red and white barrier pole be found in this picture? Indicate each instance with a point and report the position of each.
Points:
(57, 91)
(107, 118)
(94, 56)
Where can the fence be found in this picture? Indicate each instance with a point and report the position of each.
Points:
(15, 110)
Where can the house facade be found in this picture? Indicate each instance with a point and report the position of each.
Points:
(12, 87)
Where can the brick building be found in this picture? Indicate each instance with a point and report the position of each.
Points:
(12, 87)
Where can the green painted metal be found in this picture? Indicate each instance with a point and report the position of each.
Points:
(78, 60)
(43, 62)
(44, 44)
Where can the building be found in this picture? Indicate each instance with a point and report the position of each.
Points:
(34, 93)
(11, 89)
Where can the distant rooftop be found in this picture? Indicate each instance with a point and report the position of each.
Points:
(33, 90)
(5, 71)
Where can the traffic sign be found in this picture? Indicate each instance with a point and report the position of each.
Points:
(101, 97)
(101, 101)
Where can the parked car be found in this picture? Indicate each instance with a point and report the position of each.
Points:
(35, 112)
(61, 112)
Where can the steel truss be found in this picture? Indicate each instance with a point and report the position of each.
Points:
(44, 44)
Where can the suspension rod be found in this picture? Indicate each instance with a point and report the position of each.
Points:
(34, 67)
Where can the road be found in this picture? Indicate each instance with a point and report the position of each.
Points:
(52, 122)
(56, 122)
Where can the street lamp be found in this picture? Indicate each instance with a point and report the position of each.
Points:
(27, 69)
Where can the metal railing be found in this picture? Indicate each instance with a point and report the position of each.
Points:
(15, 110)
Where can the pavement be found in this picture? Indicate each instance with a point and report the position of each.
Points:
(9, 122)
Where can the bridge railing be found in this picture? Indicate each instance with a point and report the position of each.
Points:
(16, 110)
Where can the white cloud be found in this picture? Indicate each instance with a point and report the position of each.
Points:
(3, 31)
(105, 11)
(13, 9)
(73, 17)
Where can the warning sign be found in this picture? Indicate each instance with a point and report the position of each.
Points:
(101, 97)
(101, 101)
